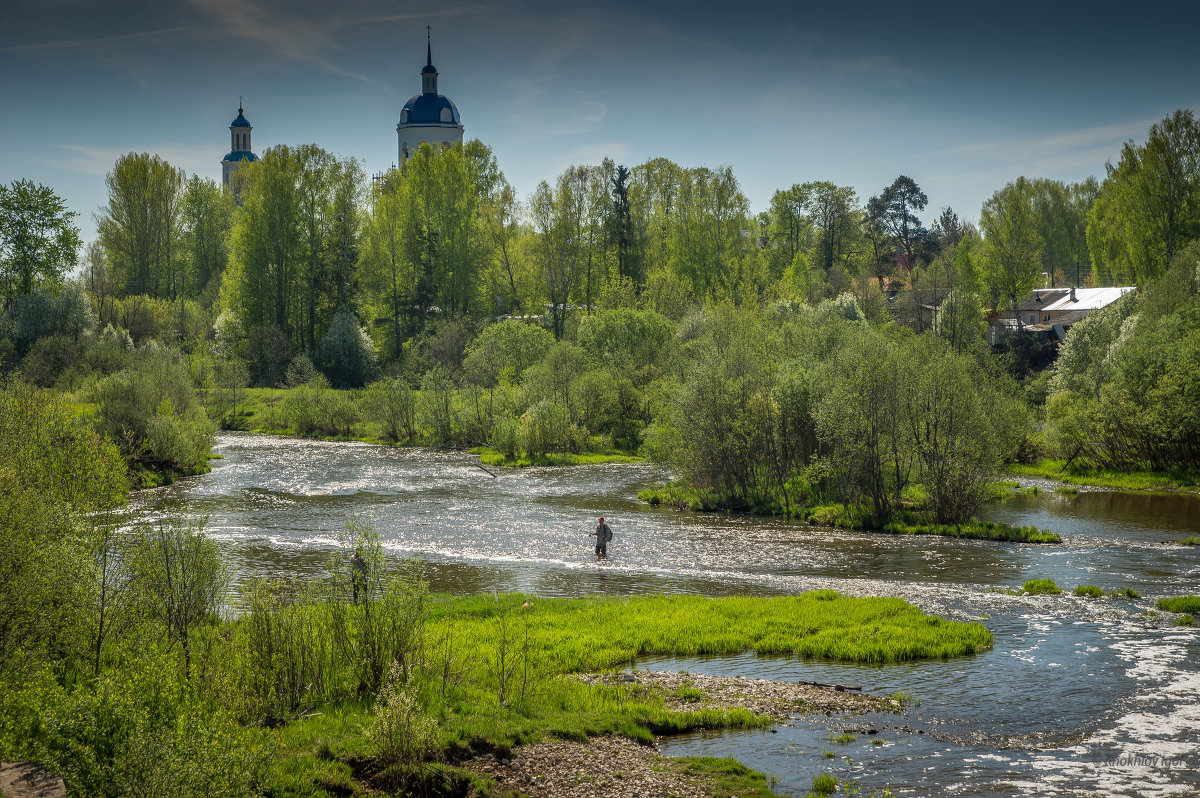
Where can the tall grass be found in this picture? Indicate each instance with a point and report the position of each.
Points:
(1189, 604)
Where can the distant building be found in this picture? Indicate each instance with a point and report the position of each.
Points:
(1050, 312)
(239, 150)
(428, 116)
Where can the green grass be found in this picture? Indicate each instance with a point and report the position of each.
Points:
(1080, 474)
(680, 497)
(1187, 619)
(1188, 604)
(1091, 591)
(842, 739)
(824, 784)
(728, 777)
(1040, 587)
(909, 523)
(578, 635)
(493, 458)
(1067, 490)
(1125, 592)
(1192, 541)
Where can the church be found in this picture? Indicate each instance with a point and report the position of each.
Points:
(426, 117)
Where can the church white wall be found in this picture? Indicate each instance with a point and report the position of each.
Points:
(415, 136)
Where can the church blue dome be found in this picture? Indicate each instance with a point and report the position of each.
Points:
(240, 121)
(426, 109)
(241, 155)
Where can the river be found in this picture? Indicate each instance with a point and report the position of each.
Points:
(1077, 697)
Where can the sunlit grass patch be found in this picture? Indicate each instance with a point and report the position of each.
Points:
(1189, 604)
(1079, 473)
(1041, 587)
(1090, 591)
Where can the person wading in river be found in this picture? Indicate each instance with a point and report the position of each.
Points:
(603, 534)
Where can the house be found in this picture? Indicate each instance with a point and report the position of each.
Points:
(1049, 313)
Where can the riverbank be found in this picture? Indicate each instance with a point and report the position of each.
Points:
(264, 411)
(1074, 474)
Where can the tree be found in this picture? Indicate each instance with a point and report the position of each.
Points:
(559, 216)
(207, 216)
(895, 211)
(141, 226)
(620, 228)
(346, 354)
(38, 240)
(1148, 206)
(1012, 249)
(387, 269)
(181, 577)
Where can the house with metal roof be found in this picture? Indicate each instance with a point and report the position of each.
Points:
(1050, 312)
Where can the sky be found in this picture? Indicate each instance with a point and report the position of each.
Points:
(962, 97)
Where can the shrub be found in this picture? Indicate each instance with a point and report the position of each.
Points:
(378, 618)
(346, 354)
(150, 409)
(134, 732)
(402, 734)
(391, 403)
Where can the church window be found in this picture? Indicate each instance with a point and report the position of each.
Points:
(447, 116)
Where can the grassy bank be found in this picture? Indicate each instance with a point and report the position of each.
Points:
(903, 522)
(498, 673)
(1081, 474)
(280, 693)
(343, 418)
(491, 457)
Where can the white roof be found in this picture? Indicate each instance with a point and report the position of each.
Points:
(1088, 299)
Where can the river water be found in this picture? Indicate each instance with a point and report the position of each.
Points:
(1077, 697)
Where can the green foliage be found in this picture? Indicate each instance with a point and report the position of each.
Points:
(1146, 210)
(1186, 619)
(1090, 591)
(141, 226)
(824, 783)
(151, 411)
(502, 352)
(391, 403)
(316, 409)
(133, 732)
(346, 355)
(377, 618)
(39, 242)
(1012, 248)
(180, 578)
(52, 469)
(402, 734)
(1040, 587)
(1124, 394)
(1189, 604)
